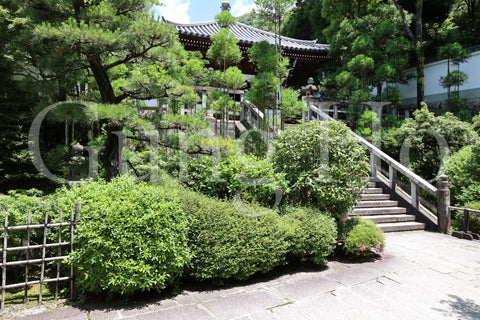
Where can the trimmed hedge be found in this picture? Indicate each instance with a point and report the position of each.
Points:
(131, 236)
(311, 235)
(362, 236)
(227, 242)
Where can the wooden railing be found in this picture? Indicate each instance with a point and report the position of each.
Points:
(44, 256)
(466, 216)
(436, 213)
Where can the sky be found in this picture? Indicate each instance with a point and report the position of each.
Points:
(185, 11)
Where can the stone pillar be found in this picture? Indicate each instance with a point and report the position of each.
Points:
(443, 204)
(204, 99)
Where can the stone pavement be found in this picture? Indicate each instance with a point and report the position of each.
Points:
(422, 275)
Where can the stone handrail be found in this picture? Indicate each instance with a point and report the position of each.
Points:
(442, 193)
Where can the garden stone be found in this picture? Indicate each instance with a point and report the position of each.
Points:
(458, 234)
(467, 236)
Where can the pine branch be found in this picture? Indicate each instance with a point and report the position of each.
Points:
(404, 19)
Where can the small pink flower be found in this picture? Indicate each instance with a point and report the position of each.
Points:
(379, 258)
(362, 248)
(381, 248)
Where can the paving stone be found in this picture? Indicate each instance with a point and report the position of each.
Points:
(243, 304)
(289, 312)
(306, 287)
(179, 313)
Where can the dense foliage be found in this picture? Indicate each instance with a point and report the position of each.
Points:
(243, 177)
(232, 241)
(323, 164)
(463, 171)
(311, 235)
(425, 136)
(131, 237)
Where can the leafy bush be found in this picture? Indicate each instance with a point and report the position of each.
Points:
(366, 124)
(311, 235)
(463, 169)
(16, 205)
(362, 236)
(254, 179)
(470, 199)
(425, 153)
(323, 164)
(227, 242)
(131, 236)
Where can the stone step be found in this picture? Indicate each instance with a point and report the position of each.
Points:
(377, 203)
(401, 226)
(390, 218)
(372, 190)
(372, 184)
(378, 211)
(375, 196)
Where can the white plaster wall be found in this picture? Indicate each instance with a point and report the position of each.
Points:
(435, 70)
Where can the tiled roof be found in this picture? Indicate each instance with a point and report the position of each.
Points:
(247, 35)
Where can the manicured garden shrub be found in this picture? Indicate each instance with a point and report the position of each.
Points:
(311, 235)
(361, 236)
(131, 236)
(246, 176)
(424, 155)
(463, 170)
(228, 241)
(323, 164)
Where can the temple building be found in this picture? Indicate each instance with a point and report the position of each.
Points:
(305, 56)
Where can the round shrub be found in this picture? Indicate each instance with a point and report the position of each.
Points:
(463, 170)
(310, 234)
(323, 164)
(131, 236)
(362, 236)
(227, 242)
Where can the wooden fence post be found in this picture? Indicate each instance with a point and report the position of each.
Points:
(443, 204)
(4, 262)
(73, 270)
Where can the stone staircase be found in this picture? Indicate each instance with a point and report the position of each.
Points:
(386, 212)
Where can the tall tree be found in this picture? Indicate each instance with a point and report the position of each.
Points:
(111, 40)
(306, 21)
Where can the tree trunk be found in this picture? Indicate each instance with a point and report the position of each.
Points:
(420, 53)
(102, 80)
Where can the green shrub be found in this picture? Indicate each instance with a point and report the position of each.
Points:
(470, 199)
(227, 242)
(463, 170)
(131, 236)
(425, 154)
(323, 164)
(16, 205)
(245, 176)
(311, 235)
(362, 236)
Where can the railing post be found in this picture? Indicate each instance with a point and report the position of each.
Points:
(443, 204)
(392, 177)
(414, 192)
(466, 220)
(373, 164)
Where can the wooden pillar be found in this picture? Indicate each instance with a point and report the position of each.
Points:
(443, 204)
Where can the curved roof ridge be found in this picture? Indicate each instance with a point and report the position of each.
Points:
(246, 34)
(313, 42)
